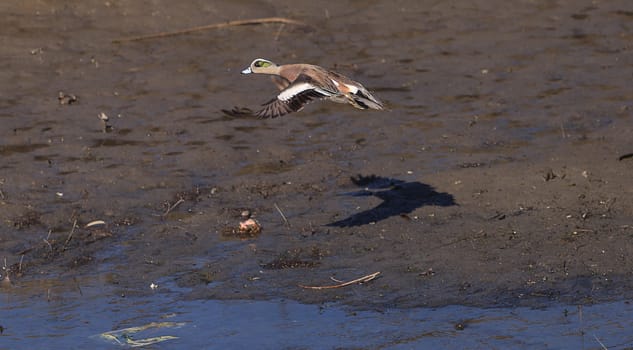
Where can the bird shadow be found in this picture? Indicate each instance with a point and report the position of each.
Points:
(399, 198)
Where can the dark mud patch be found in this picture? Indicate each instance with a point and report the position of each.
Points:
(292, 259)
(28, 219)
(73, 251)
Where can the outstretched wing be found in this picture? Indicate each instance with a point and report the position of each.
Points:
(291, 99)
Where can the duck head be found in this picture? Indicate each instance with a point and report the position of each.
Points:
(261, 66)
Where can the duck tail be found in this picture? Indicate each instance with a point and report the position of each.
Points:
(364, 100)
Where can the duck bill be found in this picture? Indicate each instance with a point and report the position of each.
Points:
(247, 71)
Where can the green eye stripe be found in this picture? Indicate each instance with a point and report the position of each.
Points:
(262, 64)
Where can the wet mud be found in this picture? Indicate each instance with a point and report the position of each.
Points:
(498, 175)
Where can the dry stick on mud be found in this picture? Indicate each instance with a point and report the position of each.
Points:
(20, 264)
(358, 280)
(173, 207)
(46, 240)
(70, 235)
(282, 214)
(242, 22)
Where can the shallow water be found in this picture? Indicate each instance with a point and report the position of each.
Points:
(493, 179)
(283, 324)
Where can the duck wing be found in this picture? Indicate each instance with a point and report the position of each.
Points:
(291, 99)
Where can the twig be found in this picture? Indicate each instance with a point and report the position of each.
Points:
(95, 223)
(609, 203)
(212, 26)
(70, 235)
(46, 240)
(20, 264)
(78, 287)
(173, 206)
(358, 280)
(562, 131)
(598, 340)
(282, 214)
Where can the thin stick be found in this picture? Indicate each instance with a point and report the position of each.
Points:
(46, 240)
(562, 131)
(173, 206)
(78, 287)
(598, 340)
(282, 214)
(212, 26)
(70, 235)
(610, 202)
(20, 265)
(358, 280)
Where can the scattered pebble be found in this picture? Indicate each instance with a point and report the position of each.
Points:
(104, 120)
(67, 99)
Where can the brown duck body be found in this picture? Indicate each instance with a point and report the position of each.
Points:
(303, 83)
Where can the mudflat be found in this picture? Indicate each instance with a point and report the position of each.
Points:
(500, 174)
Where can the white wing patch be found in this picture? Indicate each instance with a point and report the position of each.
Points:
(352, 88)
(294, 90)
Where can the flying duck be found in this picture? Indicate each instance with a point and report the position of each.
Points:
(302, 83)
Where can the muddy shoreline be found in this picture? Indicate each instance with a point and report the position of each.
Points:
(493, 179)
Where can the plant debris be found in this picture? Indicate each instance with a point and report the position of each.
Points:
(213, 26)
(344, 284)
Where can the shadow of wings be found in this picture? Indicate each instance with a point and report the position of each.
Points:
(398, 198)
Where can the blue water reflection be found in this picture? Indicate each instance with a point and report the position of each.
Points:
(283, 324)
